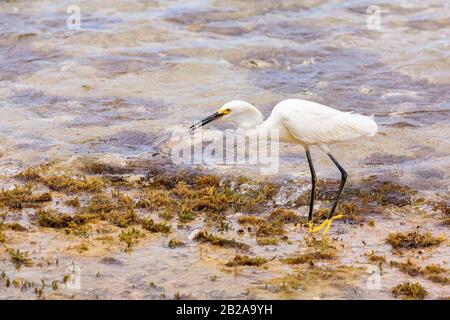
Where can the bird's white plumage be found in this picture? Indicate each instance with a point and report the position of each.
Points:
(315, 124)
(301, 122)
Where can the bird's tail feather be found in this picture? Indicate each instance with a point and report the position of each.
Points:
(364, 125)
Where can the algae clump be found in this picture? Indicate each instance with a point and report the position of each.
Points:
(286, 216)
(372, 257)
(73, 185)
(175, 243)
(412, 240)
(431, 272)
(130, 238)
(319, 250)
(251, 220)
(408, 290)
(204, 236)
(239, 260)
(150, 225)
(408, 267)
(23, 197)
(19, 258)
(266, 241)
(54, 219)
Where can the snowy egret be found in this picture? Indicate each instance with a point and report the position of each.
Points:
(301, 122)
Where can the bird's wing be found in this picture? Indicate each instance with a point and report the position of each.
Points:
(326, 126)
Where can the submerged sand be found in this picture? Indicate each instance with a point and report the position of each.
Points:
(96, 112)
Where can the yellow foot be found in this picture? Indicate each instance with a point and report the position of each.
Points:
(325, 224)
(310, 226)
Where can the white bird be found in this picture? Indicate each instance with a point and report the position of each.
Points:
(301, 122)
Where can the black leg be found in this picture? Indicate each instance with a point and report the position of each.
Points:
(313, 185)
(343, 179)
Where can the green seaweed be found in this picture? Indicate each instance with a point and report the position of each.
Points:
(408, 267)
(372, 257)
(54, 219)
(100, 203)
(19, 258)
(408, 290)
(73, 185)
(434, 269)
(310, 257)
(204, 236)
(150, 225)
(266, 241)
(155, 199)
(412, 240)
(186, 214)
(121, 219)
(286, 216)
(274, 228)
(117, 210)
(175, 243)
(130, 237)
(239, 260)
(15, 226)
(73, 202)
(431, 272)
(251, 220)
(317, 250)
(22, 196)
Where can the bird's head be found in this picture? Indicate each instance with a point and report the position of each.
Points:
(242, 113)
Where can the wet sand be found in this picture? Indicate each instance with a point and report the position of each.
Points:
(168, 260)
(108, 101)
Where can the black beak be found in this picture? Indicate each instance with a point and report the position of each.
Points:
(206, 121)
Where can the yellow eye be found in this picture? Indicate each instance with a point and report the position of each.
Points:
(225, 110)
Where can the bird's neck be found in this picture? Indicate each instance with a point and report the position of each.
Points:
(250, 119)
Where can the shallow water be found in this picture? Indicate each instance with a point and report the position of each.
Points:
(139, 70)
